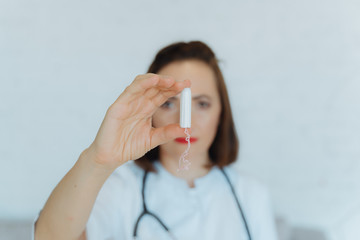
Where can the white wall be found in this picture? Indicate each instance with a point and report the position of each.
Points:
(292, 68)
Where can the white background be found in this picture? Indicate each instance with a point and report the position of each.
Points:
(292, 70)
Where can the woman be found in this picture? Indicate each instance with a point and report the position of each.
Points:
(107, 196)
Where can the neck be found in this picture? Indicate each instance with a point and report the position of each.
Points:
(196, 169)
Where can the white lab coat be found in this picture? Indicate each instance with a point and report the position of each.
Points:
(208, 211)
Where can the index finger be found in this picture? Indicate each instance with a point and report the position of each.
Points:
(142, 82)
(166, 93)
(138, 86)
(154, 83)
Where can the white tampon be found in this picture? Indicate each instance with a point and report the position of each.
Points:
(185, 108)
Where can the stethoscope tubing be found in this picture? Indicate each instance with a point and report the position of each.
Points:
(146, 211)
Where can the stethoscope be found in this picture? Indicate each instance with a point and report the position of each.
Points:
(146, 211)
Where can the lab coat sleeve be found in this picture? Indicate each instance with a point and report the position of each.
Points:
(265, 221)
(99, 225)
(255, 199)
(98, 218)
(114, 206)
(33, 226)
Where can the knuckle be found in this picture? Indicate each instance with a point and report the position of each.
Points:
(126, 90)
(150, 74)
(110, 109)
(139, 76)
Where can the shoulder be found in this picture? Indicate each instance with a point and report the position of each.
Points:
(128, 170)
(127, 176)
(252, 192)
(256, 201)
(245, 183)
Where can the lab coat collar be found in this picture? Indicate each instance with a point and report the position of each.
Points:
(201, 184)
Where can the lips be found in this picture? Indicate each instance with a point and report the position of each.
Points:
(183, 140)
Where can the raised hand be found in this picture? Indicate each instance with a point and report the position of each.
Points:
(126, 132)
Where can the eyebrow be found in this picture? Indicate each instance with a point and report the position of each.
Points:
(196, 97)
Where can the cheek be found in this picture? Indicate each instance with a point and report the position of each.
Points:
(207, 124)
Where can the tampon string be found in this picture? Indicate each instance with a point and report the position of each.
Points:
(184, 163)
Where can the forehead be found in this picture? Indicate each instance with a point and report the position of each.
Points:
(200, 74)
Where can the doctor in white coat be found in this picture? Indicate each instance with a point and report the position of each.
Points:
(126, 184)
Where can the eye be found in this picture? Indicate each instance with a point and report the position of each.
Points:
(167, 105)
(203, 104)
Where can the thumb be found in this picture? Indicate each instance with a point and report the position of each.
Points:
(165, 134)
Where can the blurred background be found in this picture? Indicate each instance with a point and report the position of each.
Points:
(293, 75)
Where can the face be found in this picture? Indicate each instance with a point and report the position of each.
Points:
(205, 109)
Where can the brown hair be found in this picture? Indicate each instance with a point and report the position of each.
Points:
(225, 146)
